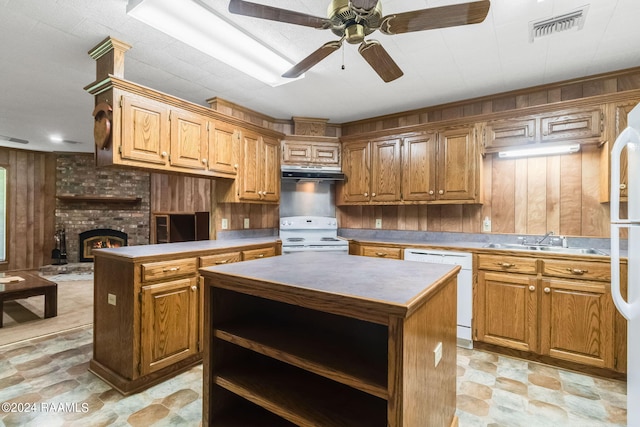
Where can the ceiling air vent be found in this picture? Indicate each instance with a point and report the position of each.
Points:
(558, 23)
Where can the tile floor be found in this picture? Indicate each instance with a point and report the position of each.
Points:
(48, 380)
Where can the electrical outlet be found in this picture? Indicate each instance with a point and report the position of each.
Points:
(225, 223)
(486, 225)
(437, 354)
(111, 299)
(378, 222)
(246, 223)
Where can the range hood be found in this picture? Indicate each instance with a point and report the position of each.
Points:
(312, 173)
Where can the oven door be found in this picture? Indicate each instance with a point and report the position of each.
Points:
(343, 249)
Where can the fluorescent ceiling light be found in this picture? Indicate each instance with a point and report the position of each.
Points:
(540, 151)
(194, 23)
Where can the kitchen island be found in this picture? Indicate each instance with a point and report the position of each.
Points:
(322, 339)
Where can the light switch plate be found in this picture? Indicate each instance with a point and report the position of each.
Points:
(378, 222)
(111, 299)
(225, 223)
(246, 223)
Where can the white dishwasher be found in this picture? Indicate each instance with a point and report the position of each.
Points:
(465, 285)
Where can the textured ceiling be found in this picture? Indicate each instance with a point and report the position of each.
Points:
(45, 63)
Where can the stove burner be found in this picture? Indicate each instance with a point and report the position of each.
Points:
(329, 239)
(295, 239)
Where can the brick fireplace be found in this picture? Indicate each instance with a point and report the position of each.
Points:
(91, 199)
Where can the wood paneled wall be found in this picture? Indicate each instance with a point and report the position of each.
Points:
(522, 196)
(593, 86)
(178, 193)
(30, 207)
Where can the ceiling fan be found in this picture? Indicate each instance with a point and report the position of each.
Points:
(353, 20)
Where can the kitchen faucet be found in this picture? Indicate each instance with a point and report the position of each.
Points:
(539, 241)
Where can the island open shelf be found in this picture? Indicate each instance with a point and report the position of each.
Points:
(332, 351)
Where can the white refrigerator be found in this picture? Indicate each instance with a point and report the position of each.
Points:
(628, 224)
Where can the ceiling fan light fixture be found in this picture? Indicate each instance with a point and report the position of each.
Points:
(199, 26)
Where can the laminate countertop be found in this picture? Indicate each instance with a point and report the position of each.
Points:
(163, 249)
(390, 286)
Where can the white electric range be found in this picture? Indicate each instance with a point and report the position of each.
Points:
(311, 233)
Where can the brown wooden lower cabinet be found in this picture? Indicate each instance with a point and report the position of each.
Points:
(550, 307)
(148, 310)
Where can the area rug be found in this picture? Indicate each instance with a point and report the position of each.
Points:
(24, 319)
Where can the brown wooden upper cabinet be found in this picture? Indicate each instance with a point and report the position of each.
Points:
(311, 151)
(617, 122)
(259, 172)
(158, 136)
(573, 125)
(424, 167)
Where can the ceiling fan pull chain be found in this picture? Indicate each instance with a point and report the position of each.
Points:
(343, 67)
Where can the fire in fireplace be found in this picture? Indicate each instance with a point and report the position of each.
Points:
(98, 239)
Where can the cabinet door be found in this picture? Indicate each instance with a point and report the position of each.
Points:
(621, 124)
(145, 130)
(385, 170)
(270, 169)
(507, 310)
(250, 178)
(326, 154)
(355, 158)
(418, 167)
(224, 141)
(296, 153)
(188, 140)
(571, 125)
(510, 132)
(458, 171)
(160, 229)
(577, 322)
(169, 328)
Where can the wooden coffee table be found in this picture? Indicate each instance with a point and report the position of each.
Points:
(32, 285)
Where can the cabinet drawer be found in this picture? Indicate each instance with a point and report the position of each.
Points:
(258, 253)
(218, 259)
(168, 269)
(577, 270)
(507, 263)
(382, 252)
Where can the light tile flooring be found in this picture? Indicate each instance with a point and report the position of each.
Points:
(47, 380)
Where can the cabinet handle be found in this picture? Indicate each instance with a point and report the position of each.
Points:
(260, 256)
(532, 288)
(204, 161)
(440, 191)
(431, 192)
(260, 193)
(505, 264)
(235, 166)
(373, 194)
(381, 254)
(577, 271)
(547, 290)
(165, 270)
(163, 154)
(623, 186)
(366, 194)
(224, 261)
(194, 288)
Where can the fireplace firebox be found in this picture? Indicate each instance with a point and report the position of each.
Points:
(98, 239)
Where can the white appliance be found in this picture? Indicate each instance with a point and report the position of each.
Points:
(630, 309)
(311, 233)
(465, 285)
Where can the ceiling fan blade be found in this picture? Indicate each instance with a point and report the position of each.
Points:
(241, 7)
(436, 17)
(311, 60)
(380, 61)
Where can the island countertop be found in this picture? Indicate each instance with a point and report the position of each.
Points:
(372, 287)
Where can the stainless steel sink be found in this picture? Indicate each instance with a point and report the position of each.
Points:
(546, 248)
